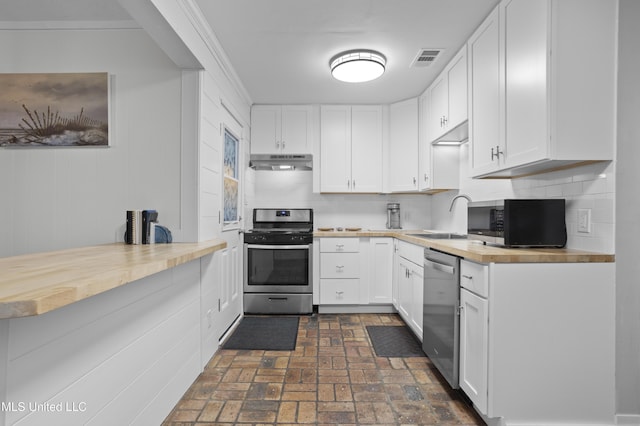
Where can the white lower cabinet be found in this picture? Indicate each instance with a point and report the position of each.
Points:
(354, 271)
(409, 281)
(535, 337)
(474, 324)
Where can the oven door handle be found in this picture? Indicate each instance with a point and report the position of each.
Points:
(279, 247)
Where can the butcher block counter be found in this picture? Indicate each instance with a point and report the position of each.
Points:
(33, 284)
(478, 252)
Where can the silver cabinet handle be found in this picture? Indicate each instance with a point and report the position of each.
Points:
(282, 144)
(469, 277)
(339, 268)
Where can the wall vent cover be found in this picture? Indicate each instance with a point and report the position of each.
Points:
(426, 57)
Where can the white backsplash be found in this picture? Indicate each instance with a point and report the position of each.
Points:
(586, 187)
(368, 211)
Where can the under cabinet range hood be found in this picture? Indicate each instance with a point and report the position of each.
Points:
(281, 161)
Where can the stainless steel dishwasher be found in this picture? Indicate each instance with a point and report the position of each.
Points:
(441, 320)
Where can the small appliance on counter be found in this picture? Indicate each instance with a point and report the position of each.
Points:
(393, 216)
(518, 222)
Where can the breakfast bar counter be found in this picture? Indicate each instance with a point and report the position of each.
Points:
(33, 284)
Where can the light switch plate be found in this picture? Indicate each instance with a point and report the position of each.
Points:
(584, 220)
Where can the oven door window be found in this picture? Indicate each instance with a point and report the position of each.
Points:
(278, 266)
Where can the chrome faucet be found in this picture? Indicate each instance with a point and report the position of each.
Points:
(456, 197)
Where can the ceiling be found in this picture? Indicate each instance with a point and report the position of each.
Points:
(280, 49)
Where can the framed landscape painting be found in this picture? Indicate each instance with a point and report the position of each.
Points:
(54, 110)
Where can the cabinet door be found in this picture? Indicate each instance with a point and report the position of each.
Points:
(526, 64)
(380, 270)
(457, 87)
(416, 276)
(296, 129)
(265, 129)
(403, 146)
(366, 148)
(439, 106)
(474, 324)
(486, 96)
(424, 148)
(404, 290)
(335, 148)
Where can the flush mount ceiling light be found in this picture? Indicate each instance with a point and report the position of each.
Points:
(357, 66)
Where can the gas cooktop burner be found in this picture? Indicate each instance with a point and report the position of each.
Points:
(281, 226)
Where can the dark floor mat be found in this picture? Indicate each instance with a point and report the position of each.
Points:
(394, 341)
(265, 333)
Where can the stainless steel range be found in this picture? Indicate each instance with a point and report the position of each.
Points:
(278, 256)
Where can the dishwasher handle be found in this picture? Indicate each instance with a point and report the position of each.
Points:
(432, 264)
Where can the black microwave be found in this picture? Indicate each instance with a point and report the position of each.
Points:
(518, 223)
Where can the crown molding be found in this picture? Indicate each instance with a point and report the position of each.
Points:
(69, 25)
(194, 14)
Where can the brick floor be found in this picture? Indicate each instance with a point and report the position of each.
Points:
(332, 377)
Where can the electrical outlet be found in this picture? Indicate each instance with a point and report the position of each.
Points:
(584, 220)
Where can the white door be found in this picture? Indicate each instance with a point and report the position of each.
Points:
(230, 294)
(265, 129)
(474, 330)
(296, 129)
(526, 64)
(417, 292)
(404, 289)
(403, 145)
(486, 97)
(335, 148)
(366, 148)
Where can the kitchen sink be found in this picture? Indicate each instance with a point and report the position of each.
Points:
(441, 236)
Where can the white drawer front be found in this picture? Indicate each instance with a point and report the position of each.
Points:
(475, 277)
(411, 252)
(339, 245)
(337, 292)
(339, 265)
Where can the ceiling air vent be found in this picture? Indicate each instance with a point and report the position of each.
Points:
(426, 57)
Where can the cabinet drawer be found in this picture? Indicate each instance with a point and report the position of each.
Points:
(411, 252)
(339, 245)
(336, 292)
(339, 265)
(475, 277)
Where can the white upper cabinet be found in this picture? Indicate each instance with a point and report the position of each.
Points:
(549, 68)
(351, 148)
(438, 165)
(486, 81)
(448, 109)
(281, 129)
(403, 146)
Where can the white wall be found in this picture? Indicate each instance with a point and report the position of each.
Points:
(61, 198)
(627, 215)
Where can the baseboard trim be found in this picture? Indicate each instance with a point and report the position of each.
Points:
(356, 309)
(628, 419)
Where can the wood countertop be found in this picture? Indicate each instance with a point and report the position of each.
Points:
(476, 251)
(33, 284)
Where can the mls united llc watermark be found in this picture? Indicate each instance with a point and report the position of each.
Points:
(47, 407)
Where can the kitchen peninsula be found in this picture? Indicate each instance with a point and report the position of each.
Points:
(109, 333)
